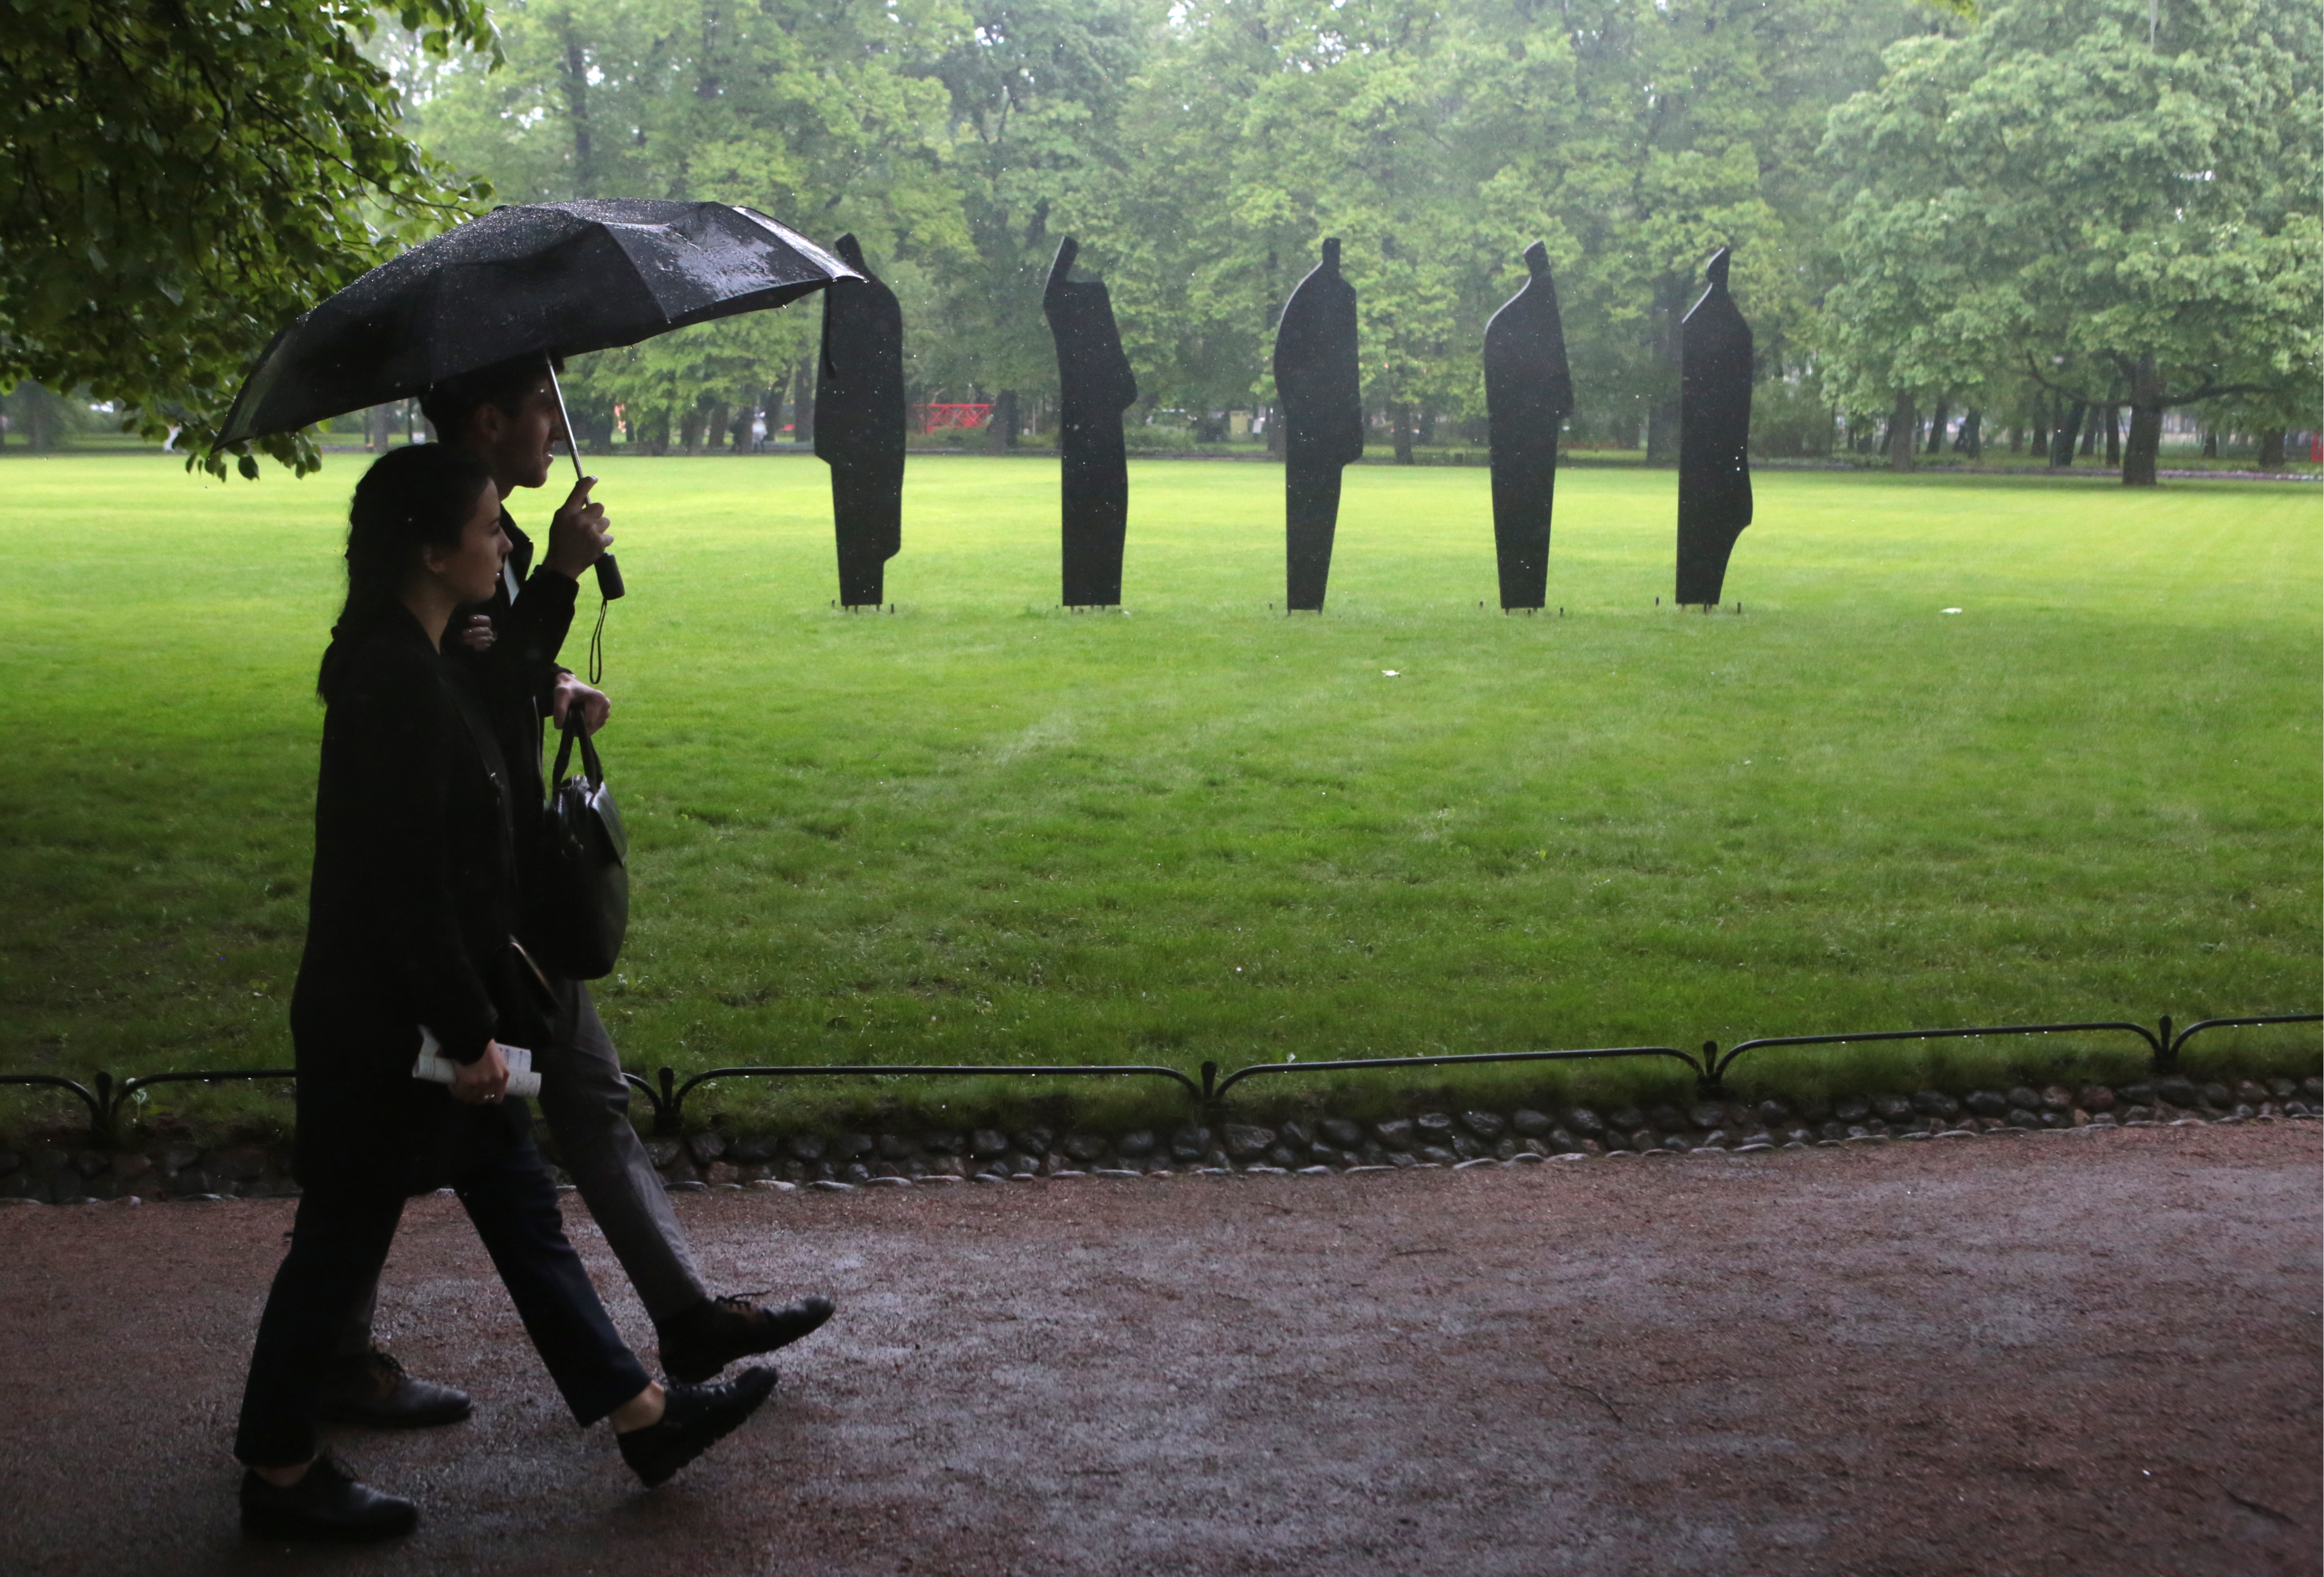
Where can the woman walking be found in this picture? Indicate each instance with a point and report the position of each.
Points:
(409, 925)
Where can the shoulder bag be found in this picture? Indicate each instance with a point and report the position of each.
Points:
(577, 898)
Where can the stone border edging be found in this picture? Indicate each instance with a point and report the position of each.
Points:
(845, 1162)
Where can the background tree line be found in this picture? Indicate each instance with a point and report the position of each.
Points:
(1202, 152)
(2035, 219)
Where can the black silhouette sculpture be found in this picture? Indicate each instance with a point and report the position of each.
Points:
(1529, 395)
(1094, 387)
(1317, 380)
(1714, 437)
(859, 427)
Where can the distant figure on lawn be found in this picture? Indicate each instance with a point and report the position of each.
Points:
(409, 924)
(1529, 395)
(859, 425)
(1094, 387)
(1714, 437)
(1318, 376)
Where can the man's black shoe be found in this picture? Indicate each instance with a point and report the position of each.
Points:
(325, 1507)
(695, 1418)
(717, 1330)
(374, 1391)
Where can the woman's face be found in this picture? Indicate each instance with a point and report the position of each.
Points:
(472, 569)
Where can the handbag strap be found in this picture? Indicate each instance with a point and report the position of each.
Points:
(576, 727)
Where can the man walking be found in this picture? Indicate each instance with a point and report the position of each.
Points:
(509, 417)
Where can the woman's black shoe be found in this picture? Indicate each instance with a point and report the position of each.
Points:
(717, 1330)
(695, 1418)
(373, 1389)
(325, 1506)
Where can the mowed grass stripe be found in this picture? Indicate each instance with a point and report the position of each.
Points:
(982, 828)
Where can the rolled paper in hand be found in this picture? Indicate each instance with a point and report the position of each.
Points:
(439, 1069)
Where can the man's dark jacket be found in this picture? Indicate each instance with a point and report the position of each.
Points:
(519, 673)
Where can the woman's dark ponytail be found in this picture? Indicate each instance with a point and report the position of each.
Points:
(418, 496)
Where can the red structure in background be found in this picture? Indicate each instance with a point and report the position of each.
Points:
(936, 418)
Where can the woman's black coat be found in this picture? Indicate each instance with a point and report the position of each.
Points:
(408, 919)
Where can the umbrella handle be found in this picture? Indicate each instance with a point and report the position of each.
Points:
(609, 574)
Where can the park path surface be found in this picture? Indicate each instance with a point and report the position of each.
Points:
(2088, 1352)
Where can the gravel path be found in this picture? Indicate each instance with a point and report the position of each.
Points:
(2095, 1352)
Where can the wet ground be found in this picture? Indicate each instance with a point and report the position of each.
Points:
(2096, 1351)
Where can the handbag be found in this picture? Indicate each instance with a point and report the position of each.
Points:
(576, 897)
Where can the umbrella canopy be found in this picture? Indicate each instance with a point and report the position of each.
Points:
(544, 278)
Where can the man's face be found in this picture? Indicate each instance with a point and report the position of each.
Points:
(517, 447)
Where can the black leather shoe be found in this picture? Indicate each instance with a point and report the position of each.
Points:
(325, 1507)
(695, 1418)
(374, 1391)
(717, 1330)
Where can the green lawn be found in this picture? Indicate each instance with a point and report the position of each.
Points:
(984, 829)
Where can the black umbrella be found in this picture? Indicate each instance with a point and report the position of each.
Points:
(542, 278)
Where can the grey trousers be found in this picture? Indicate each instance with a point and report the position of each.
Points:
(586, 1103)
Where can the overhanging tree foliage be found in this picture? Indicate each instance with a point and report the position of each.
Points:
(181, 178)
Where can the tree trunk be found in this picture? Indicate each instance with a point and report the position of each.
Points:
(1669, 315)
(2061, 443)
(2211, 443)
(2114, 435)
(39, 422)
(2090, 430)
(1903, 427)
(1399, 416)
(1274, 433)
(1937, 427)
(777, 392)
(2271, 449)
(1662, 433)
(1971, 441)
(2146, 401)
(377, 431)
(802, 404)
(1001, 426)
(577, 109)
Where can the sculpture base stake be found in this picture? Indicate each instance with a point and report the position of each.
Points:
(1311, 516)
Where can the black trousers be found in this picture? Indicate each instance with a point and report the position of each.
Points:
(339, 1243)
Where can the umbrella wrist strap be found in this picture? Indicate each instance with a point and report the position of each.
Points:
(597, 645)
